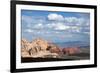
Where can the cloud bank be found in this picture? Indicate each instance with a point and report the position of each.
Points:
(55, 24)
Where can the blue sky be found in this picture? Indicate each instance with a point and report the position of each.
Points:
(55, 26)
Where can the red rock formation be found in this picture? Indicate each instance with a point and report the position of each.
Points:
(70, 51)
(56, 50)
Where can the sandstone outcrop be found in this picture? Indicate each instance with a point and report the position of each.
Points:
(25, 45)
(38, 48)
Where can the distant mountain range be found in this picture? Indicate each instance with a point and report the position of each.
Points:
(73, 44)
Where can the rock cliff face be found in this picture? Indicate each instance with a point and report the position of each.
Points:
(40, 44)
(25, 46)
(39, 48)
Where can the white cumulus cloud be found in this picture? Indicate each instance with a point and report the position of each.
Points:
(54, 16)
(61, 26)
(77, 21)
(57, 26)
(71, 19)
(38, 26)
(28, 30)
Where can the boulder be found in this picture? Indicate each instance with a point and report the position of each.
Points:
(54, 49)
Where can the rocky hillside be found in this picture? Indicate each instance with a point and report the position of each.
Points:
(39, 48)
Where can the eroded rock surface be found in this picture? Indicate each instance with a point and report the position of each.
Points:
(39, 48)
